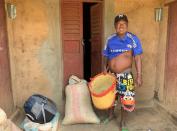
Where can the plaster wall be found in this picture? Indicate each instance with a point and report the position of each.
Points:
(35, 50)
(161, 56)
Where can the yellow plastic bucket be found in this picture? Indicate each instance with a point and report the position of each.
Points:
(102, 88)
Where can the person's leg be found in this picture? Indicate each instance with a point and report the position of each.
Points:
(111, 113)
(123, 117)
(122, 114)
(109, 117)
(123, 88)
(126, 104)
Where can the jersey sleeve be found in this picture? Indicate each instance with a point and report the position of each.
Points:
(137, 47)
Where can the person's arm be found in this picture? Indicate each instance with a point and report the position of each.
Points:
(105, 65)
(137, 53)
(105, 58)
(138, 65)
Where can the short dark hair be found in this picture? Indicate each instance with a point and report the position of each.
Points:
(120, 17)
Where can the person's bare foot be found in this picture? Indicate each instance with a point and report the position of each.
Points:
(108, 119)
(123, 126)
(123, 129)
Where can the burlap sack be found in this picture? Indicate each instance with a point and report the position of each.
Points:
(78, 107)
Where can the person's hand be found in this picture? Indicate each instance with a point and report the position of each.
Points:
(139, 81)
(105, 71)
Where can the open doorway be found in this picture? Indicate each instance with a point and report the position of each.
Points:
(82, 61)
(86, 40)
(92, 39)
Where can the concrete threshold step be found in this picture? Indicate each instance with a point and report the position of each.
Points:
(171, 114)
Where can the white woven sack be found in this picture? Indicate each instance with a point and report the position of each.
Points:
(3, 117)
(78, 107)
(11, 126)
(6, 124)
(28, 125)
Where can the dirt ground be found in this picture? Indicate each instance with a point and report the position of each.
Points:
(144, 119)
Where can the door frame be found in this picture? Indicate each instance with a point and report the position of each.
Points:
(92, 1)
(61, 30)
(167, 50)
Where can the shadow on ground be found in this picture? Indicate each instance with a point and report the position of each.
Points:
(144, 119)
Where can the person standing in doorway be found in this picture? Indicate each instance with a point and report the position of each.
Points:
(121, 49)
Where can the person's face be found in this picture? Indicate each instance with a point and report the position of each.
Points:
(121, 27)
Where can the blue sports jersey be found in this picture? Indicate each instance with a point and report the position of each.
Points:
(116, 45)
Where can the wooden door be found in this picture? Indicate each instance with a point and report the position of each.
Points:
(72, 33)
(6, 99)
(96, 38)
(171, 62)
